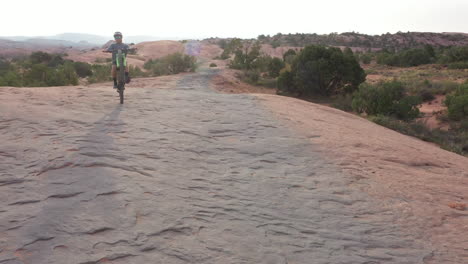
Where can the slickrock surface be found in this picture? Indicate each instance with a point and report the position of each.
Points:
(181, 175)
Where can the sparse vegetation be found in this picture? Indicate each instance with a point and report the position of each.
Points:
(38, 69)
(392, 42)
(455, 140)
(171, 64)
(213, 65)
(101, 73)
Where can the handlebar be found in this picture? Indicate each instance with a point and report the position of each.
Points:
(129, 49)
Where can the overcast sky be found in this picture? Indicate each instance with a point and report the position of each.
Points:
(235, 18)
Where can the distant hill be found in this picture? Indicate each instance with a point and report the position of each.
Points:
(397, 41)
(23, 45)
(62, 39)
(10, 48)
(81, 38)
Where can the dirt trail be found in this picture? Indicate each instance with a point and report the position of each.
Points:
(177, 175)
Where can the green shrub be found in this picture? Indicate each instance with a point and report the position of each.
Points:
(344, 102)
(100, 60)
(285, 82)
(213, 65)
(38, 69)
(319, 70)
(458, 65)
(274, 67)
(366, 58)
(40, 57)
(246, 57)
(455, 140)
(406, 58)
(101, 73)
(5, 66)
(135, 71)
(457, 103)
(386, 99)
(171, 64)
(12, 78)
(406, 108)
(426, 95)
(251, 76)
(229, 48)
(83, 69)
(289, 55)
(454, 54)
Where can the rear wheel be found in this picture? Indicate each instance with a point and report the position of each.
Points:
(121, 95)
(121, 75)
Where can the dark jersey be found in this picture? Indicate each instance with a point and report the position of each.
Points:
(115, 47)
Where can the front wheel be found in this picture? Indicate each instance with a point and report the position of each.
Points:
(121, 95)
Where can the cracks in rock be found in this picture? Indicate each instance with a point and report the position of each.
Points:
(25, 202)
(65, 195)
(109, 258)
(39, 240)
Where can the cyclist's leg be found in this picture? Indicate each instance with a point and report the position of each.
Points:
(127, 75)
(114, 74)
(114, 71)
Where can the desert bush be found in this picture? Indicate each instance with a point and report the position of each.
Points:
(285, 81)
(386, 98)
(455, 140)
(56, 60)
(101, 73)
(213, 65)
(230, 47)
(426, 95)
(40, 57)
(171, 64)
(406, 58)
(251, 76)
(458, 65)
(246, 57)
(344, 102)
(289, 55)
(454, 54)
(318, 70)
(366, 58)
(274, 67)
(11, 78)
(457, 103)
(426, 87)
(100, 60)
(5, 66)
(38, 69)
(135, 71)
(83, 69)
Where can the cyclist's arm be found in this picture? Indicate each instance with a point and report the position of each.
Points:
(110, 49)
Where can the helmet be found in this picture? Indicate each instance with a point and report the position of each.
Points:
(117, 34)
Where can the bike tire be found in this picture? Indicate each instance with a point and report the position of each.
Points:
(121, 75)
(121, 95)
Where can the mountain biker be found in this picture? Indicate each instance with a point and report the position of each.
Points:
(113, 48)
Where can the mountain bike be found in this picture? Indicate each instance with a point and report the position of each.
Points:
(121, 61)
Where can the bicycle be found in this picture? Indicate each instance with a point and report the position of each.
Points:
(121, 66)
(121, 61)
